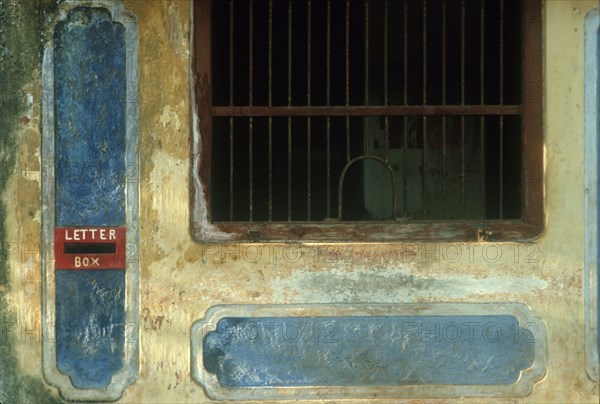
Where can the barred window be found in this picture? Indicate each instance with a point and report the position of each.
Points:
(368, 120)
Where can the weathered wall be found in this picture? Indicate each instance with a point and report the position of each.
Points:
(21, 32)
(180, 279)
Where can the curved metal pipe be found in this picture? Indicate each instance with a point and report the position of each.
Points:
(343, 176)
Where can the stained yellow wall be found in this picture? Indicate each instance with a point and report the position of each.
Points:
(180, 279)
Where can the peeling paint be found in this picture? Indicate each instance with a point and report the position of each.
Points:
(399, 285)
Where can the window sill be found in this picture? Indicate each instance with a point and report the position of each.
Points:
(351, 232)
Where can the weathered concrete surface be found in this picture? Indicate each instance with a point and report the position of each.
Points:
(181, 279)
(21, 29)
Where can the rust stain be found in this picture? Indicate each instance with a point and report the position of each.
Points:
(151, 322)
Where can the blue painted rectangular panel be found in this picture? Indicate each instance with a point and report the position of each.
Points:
(90, 86)
(368, 351)
(90, 325)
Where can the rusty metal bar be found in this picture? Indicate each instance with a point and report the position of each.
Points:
(289, 95)
(424, 174)
(250, 96)
(231, 64)
(462, 101)
(501, 168)
(444, 151)
(501, 36)
(289, 120)
(328, 102)
(462, 166)
(482, 185)
(270, 103)
(405, 55)
(501, 80)
(366, 82)
(308, 102)
(482, 117)
(366, 33)
(462, 52)
(405, 120)
(231, 127)
(444, 146)
(385, 78)
(347, 62)
(270, 54)
(424, 50)
(360, 110)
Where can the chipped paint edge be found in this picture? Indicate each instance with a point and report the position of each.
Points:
(592, 25)
(130, 369)
(201, 229)
(521, 388)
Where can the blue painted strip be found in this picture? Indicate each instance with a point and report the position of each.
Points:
(90, 85)
(368, 351)
(90, 325)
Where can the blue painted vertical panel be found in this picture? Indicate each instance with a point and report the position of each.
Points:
(90, 105)
(90, 86)
(90, 325)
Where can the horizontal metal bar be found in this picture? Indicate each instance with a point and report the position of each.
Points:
(398, 110)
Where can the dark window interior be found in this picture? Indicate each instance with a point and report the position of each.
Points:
(337, 111)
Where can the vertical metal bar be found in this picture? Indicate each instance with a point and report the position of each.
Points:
(462, 101)
(231, 128)
(444, 16)
(501, 82)
(462, 52)
(270, 102)
(385, 78)
(462, 166)
(347, 60)
(405, 121)
(308, 102)
(367, 145)
(289, 120)
(366, 11)
(328, 101)
(424, 50)
(424, 174)
(250, 96)
(482, 118)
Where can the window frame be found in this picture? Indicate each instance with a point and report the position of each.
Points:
(528, 227)
(591, 178)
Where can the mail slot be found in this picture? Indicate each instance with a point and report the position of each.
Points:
(89, 247)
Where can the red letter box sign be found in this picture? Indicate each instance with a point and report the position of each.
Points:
(89, 247)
